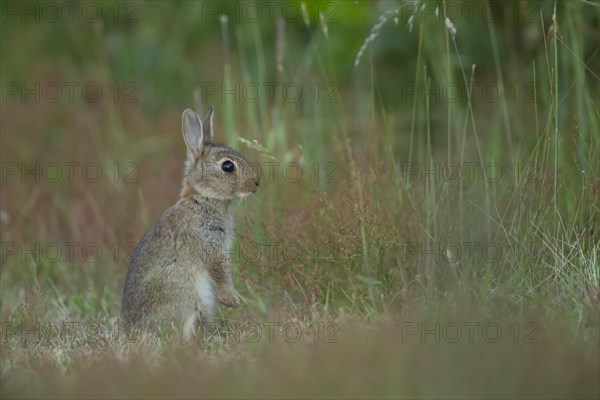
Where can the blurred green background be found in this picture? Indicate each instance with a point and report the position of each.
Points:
(357, 94)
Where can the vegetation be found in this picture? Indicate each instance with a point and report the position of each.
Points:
(428, 221)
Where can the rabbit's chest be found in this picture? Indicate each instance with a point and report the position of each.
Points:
(205, 290)
(228, 236)
(206, 303)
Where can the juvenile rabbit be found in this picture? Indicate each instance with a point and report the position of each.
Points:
(180, 269)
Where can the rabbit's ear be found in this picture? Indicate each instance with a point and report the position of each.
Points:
(208, 125)
(192, 133)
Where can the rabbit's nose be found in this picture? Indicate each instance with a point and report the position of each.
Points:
(257, 182)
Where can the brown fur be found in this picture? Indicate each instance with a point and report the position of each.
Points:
(181, 268)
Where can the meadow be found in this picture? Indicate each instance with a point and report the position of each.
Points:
(428, 219)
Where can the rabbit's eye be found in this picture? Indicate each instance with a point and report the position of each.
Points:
(228, 166)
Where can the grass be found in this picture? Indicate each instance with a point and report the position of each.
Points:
(430, 248)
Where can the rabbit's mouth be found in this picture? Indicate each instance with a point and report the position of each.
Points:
(249, 188)
(246, 193)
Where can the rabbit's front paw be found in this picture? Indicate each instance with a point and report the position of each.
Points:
(228, 297)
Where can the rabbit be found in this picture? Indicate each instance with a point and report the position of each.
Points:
(180, 269)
